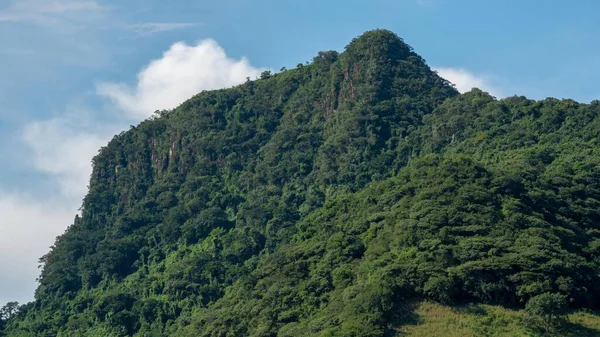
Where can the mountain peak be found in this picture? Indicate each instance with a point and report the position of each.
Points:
(302, 181)
(379, 42)
(386, 67)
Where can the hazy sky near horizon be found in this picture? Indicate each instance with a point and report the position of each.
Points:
(75, 72)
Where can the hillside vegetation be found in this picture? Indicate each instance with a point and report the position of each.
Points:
(327, 200)
(475, 320)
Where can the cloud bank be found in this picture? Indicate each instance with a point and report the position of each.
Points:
(61, 150)
(28, 226)
(182, 72)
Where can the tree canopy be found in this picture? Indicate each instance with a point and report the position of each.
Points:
(318, 200)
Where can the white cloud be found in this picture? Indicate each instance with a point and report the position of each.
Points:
(63, 149)
(465, 81)
(150, 28)
(28, 228)
(182, 72)
(48, 12)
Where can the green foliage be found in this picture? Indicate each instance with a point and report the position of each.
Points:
(8, 310)
(549, 309)
(319, 200)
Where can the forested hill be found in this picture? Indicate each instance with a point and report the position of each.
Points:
(318, 201)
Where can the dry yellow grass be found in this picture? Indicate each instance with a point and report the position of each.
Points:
(434, 318)
(587, 320)
(431, 320)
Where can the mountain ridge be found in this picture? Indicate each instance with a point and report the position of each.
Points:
(317, 200)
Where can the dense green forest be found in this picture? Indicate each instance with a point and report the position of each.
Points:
(322, 201)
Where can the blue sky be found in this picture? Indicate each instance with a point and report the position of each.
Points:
(75, 72)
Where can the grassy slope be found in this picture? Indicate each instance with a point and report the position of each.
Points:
(431, 319)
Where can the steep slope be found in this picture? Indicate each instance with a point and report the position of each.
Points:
(320, 200)
(186, 203)
(500, 205)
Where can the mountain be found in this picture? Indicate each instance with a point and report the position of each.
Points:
(320, 201)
